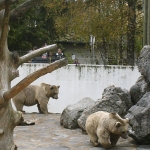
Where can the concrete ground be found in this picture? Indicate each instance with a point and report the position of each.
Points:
(47, 134)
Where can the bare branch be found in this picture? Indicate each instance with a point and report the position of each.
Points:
(23, 8)
(2, 3)
(32, 77)
(35, 53)
(5, 29)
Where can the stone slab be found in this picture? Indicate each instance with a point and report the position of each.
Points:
(48, 134)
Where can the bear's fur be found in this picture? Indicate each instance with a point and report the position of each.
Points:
(36, 94)
(106, 128)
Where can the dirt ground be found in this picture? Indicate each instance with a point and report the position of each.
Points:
(47, 134)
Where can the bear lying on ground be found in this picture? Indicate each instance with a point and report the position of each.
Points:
(106, 128)
(36, 94)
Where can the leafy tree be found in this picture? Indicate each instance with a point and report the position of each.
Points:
(114, 23)
(131, 29)
(34, 27)
(79, 20)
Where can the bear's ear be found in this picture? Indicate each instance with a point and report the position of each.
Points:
(127, 120)
(112, 114)
(117, 124)
(46, 88)
(43, 84)
(52, 87)
(58, 86)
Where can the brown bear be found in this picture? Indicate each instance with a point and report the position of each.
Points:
(106, 128)
(36, 94)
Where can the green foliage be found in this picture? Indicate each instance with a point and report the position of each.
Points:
(68, 55)
(107, 20)
(17, 3)
(35, 27)
(55, 20)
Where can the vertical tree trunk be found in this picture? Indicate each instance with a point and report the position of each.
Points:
(145, 22)
(131, 32)
(121, 4)
(148, 25)
(120, 51)
(8, 117)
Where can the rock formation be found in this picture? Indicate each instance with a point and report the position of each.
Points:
(138, 90)
(114, 99)
(139, 114)
(71, 113)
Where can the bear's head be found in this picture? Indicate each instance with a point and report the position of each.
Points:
(118, 125)
(51, 90)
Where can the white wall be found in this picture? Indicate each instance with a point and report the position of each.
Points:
(77, 82)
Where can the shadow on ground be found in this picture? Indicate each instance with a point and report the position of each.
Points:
(47, 134)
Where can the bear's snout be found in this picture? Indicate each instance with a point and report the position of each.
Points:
(55, 97)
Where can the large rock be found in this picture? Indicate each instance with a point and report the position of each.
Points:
(114, 99)
(144, 63)
(123, 94)
(71, 113)
(139, 116)
(138, 90)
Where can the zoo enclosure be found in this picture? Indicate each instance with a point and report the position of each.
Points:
(77, 82)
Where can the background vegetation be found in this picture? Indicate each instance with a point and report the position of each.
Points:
(116, 24)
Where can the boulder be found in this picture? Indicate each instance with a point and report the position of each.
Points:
(139, 116)
(71, 113)
(123, 94)
(144, 63)
(114, 99)
(138, 90)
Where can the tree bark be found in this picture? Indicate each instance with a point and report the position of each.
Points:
(17, 12)
(3, 4)
(9, 62)
(32, 77)
(145, 24)
(131, 32)
(8, 117)
(5, 28)
(121, 3)
(148, 24)
(35, 53)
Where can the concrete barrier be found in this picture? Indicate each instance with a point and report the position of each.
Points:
(80, 81)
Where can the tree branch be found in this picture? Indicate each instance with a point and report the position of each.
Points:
(35, 53)
(32, 77)
(2, 3)
(17, 12)
(5, 28)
